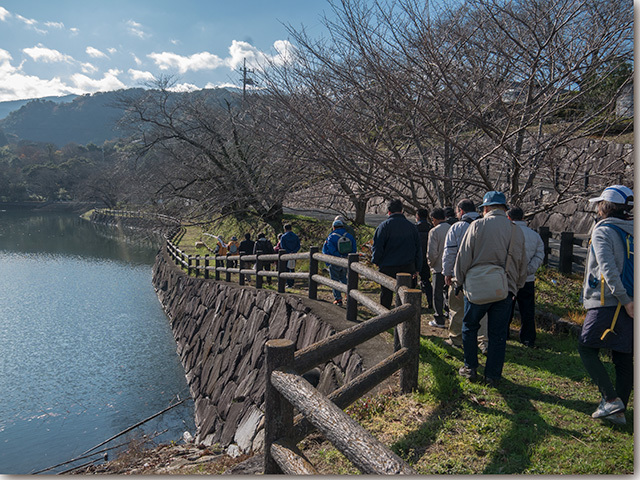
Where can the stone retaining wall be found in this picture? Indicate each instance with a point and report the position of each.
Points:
(220, 331)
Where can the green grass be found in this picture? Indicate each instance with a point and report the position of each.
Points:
(536, 422)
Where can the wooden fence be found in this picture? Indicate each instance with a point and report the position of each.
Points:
(571, 250)
(286, 389)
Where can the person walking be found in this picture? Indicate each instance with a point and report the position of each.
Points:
(423, 225)
(263, 247)
(339, 243)
(396, 248)
(435, 249)
(466, 213)
(608, 297)
(290, 242)
(525, 297)
(246, 246)
(491, 265)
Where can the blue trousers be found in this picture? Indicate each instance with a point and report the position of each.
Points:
(499, 314)
(339, 274)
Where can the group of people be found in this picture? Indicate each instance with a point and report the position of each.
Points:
(475, 267)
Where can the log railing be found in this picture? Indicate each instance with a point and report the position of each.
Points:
(286, 389)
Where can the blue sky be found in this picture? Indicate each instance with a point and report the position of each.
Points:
(58, 47)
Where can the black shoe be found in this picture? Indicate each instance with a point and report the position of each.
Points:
(492, 382)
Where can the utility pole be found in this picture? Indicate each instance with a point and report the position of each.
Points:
(245, 80)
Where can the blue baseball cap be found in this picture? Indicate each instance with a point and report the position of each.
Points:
(493, 198)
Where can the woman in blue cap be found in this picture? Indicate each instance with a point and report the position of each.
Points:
(609, 301)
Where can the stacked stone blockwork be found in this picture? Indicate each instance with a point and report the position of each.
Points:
(220, 331)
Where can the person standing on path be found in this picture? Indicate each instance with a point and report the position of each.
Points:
(494, 246)
(435, 249)
(424, 226)
(525, 297)
(339, 243)
(466, 213)
(608, 298)
(396, 248)
(290, 242)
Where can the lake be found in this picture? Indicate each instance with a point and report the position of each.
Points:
(86, 350)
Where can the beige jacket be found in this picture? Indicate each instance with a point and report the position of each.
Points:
(435, 246)
(486, 242)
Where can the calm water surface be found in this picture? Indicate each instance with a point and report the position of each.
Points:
(85, 348)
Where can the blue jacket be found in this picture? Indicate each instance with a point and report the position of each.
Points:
(330, 246)
(396, 242)
(290, 242)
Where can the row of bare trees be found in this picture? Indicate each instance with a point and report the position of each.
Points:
(403, 98)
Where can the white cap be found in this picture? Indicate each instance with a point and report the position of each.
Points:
(616, 194)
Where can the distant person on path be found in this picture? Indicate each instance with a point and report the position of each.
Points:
(435, 249)
(290, 242)
(233, 247)
(492, 267)
(396, 248)
(466, 213)
(264, 247)
(534, 248)
(246, 246)
(608, 298)
(424, 225)
(339, 243)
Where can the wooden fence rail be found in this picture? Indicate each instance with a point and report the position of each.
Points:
(569, 259)
(286, 388)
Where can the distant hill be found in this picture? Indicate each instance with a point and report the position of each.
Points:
(90, 118)
(7, 107)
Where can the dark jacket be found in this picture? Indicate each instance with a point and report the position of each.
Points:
(262, 246)
(423, 227)
(290, 242)
(396, 242)
(330, 246)
(246, 246)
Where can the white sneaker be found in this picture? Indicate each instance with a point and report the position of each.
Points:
(608, 408)
(617, 418)
(433, 323)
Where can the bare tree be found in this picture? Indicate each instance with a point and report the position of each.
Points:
(205, 157)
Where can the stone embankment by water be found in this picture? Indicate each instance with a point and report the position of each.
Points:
(221, 329)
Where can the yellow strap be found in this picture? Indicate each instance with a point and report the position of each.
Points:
(613, 323)
(602, 290)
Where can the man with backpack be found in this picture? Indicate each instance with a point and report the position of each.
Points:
(339, 243)
(608, 297)
(290, 242)
(466, 213)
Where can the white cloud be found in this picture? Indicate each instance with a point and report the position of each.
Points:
(136, 59)
(140, 76)
(112, 50)
(108, 82)
(4, 14)
(16, 85)
(95, 53)
(59, 25)
(184, 87)
(74, 31)
(195, 62)
(88, 68)
(136, 29)
(47, 55)
(27, 21)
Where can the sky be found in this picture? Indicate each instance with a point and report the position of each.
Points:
(60, 47)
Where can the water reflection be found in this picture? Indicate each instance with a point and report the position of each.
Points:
(86, 348)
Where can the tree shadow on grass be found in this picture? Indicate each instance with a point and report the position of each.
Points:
(527, 426)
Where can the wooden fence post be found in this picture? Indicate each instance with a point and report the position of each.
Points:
(313, 270)
(258, 270)
(566, 253)
(278, 415)
(206, 266)
(241, 266)
(407, 334)
(217, 263)
(189, 264)
(227, 264)
(402, 280)
(352, 284)
(282, 267)
(545, 234)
